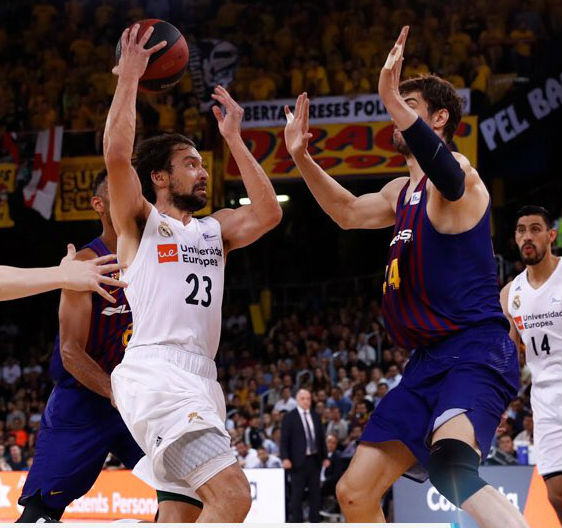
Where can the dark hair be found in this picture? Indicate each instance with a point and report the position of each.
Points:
(528, 210)
(437, 93)
(155, 154)
(98, 181)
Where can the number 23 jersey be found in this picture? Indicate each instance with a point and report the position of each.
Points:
(175, 284)
(537, 315)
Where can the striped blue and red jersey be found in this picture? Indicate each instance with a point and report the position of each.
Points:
(110, 329)
(437, 284)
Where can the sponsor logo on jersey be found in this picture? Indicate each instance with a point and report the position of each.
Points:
(167, 253)
(518, 288)
(556, 300)
(112, 310)
(416, 197)
(158, 440)
(405, 235)
(165, 230)
(516, 302)
(209, 236)
(519, 322)
(194, 416)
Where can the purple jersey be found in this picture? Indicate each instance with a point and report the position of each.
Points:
(437, 284)
(110, 329)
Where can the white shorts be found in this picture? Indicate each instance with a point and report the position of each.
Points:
(167, 397)
(547, 429)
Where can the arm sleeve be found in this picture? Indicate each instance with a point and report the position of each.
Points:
(435, 159)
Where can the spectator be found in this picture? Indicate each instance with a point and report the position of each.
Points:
(11, 371)
(18, 432)
(15, 459)
(339, 400)
(247, 457)
(376, 378)
(365, 352)
(337, 426)
(525, 437)
(393, 376)
(267, 460)
(382, 390)
(331, 473)
(252, 435)
(504, 454)
(287, 403)
(351, 442)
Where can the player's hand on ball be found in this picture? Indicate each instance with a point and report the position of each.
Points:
(231, 122)
(88, 275)
(389, 78)
(134, 56)
(296, 129)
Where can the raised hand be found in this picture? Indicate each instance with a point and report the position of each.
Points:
(389, 78)
(134, 56)
(231, 122)
(296, 129)
(87, 275)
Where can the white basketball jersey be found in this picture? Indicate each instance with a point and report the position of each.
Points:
(537, 314)
(175, 284)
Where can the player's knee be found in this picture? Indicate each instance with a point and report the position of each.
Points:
(349, 494)
(453, 470)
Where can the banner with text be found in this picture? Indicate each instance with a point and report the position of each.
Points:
(7, 185)
(510, 120)
(119, 494)
(326, 110)
(75, 187)
(522, 486)
(340, 149)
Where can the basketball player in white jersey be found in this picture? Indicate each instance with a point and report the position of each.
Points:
(166, 388)
(533, 304)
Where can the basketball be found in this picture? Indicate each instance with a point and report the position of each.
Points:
(165, 67)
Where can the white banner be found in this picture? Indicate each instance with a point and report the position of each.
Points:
(326, 110)
(267, 487)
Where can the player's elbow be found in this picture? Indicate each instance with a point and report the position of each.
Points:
(68, 354)
(275, 216)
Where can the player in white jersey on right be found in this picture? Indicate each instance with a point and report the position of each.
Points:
(533, 304)
(166, 388)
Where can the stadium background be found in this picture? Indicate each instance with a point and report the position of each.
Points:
(302, 299)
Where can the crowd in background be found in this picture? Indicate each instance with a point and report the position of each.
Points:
(56, 55)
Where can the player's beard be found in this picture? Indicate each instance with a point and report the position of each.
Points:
(188, 202)
(400, 144)
(533, 258)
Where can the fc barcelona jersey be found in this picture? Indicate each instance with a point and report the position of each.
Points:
(110, 329)
(437, 284)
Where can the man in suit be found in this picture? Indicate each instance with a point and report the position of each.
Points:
(303, 450)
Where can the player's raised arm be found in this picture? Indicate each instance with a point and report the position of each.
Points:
(369, 211)
(430, 151)
(75, 310)
(127, 202)
(71, 274)
(246, 224)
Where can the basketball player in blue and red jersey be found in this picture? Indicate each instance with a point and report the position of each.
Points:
(440, 298)
(80, 426)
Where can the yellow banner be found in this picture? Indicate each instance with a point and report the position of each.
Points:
(7, 185)
(75, 187)
(343, 149)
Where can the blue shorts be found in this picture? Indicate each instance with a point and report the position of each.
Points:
(78, 430)
(475, 370)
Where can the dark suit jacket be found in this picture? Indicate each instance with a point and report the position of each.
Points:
(293, 438)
